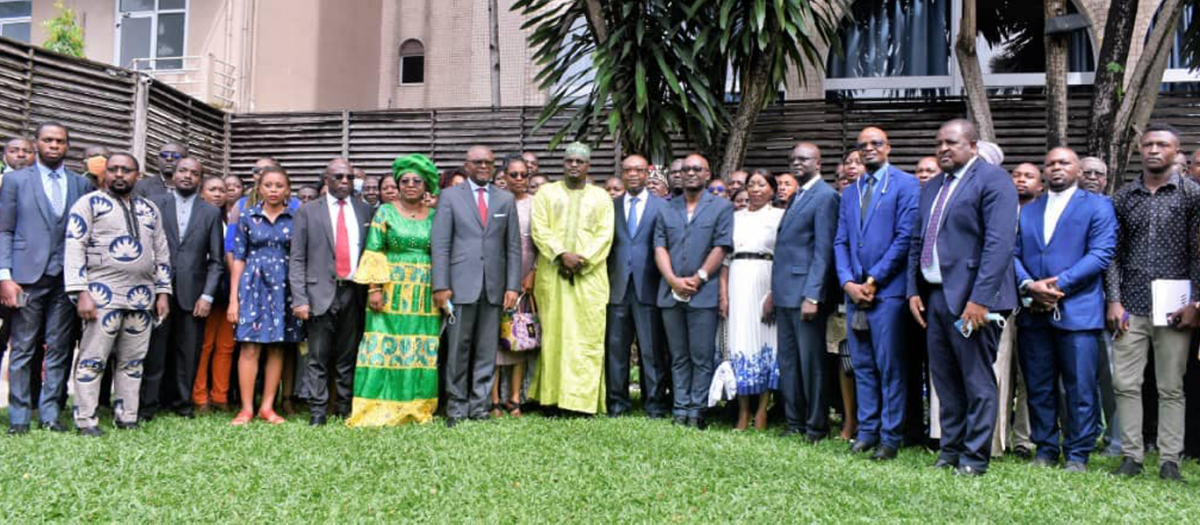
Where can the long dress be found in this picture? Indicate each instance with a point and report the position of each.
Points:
(264, 296)
(395, 378)
(570, 367)
(528, 256)
(752, 343)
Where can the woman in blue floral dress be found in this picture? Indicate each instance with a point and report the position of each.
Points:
(260, 304)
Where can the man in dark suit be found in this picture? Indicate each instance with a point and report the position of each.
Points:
(33, 207)
(875, 226)
(195, 240)
(476, 245)
(959, 268)
(168, 159)
(633, 280)
(327, 241)
(693, 234)
(1066, 241)
(804, 293)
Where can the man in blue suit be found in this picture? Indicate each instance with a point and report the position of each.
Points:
(960, 270)
(804, 293)
(33, 207)
(691, 238)
(1065, 242)
(633, 281)
(875, 226)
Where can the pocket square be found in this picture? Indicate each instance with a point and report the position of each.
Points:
(499, 215)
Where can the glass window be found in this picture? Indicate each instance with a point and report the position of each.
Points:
(128, 6)
(153, 33)
(889, 38)
(412, 62)
(15, 19)
(16, 9)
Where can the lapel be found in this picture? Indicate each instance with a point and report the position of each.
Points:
(619, 212)
(967, 180)
(1037, 217)
(798, 204)
(648, 213)
(324, 223)
(74, 188)
(171, 219)
(701, 206)
(468, 196)
(879, 186)
(930, 192)
(39, 194)
(1072, 205)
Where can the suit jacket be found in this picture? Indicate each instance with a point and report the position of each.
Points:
(151, 186)
(473, 262)
(1080, 250)
(631, 261)
(31, 238)
(689, 243)
(312, 267)
(197, 259)
(804, 266)
(979, 228)
(877, 245)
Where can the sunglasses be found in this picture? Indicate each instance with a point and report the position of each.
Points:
(693, 169)
(716, 190)
(170, 155)
(341, 176)
(517, 175)
(410, 182)
(873, 143)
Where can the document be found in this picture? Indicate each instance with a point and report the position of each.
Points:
(1168, 295)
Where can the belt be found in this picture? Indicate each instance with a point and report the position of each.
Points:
(754, 256)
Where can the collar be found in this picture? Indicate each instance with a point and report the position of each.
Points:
(475, 187)
(810, 183)
(181, 198)
(641, 197)
(1172, 181)
(45, 170)
(332, 201)
(1064, 194)
(258, 210)
(880, 173)
(958, 175)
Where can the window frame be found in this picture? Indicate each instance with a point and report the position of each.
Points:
(153, 14)
(18, 19)
(401, 55)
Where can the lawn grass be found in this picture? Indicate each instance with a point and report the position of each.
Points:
(535, 469)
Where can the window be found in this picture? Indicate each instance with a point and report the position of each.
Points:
(151, 33)
(412, 62)
(905, 48)
(15, 19)
(1178, 78)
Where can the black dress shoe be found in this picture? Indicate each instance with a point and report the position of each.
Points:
(1128, 467)
(790, 432)
(91, 432)
(316, 421)
(656, 415)
(861, 446)
(186, 412)
(967, 470)
(944, 463)
(18, 430)
(146, 417)
(133, 425)
(697, 423)
(1023, 452)
(54, 426)
(680, 420)
(451, 422)
(884, 453)
(1169, 471)
(616, 413)
(813, 439)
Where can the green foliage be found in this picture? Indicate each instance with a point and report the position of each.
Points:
(63, 35)
(537, 470)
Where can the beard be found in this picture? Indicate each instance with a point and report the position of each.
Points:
(120, 188)
(185, 192)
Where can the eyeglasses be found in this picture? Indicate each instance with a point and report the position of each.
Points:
(1093, 173)
(410, 182)
(120, 169)
(341, 176)
(170, 155)
(794, 159)
(716, 190)
(872, 143)
(517, 175)
(693, 169)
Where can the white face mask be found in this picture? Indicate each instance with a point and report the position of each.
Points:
(358, 185)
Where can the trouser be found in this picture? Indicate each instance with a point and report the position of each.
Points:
(172, 360)
(1171, 351)
(6, 316)
(801, 372)
(48, 316)
(916, 377)
(692, 340)
(127, 334)
(966, 384)
(1048, 356)
(879, 371)
(216, 357)
(1013, 411)
(471, 359)
(1108, 398)
(626, 321)
(333, 339)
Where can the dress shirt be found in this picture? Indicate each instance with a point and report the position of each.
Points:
(183, 212)
(933, 272)
(1056, 202)
(1156, 239)
(351, 228)
(878, 176)
(487, 199)
(641, 206)
(47, 183)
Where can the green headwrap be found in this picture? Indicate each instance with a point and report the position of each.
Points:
(579, 149)
(419, 164)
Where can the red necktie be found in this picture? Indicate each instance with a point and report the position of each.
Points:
(483, 215)
(341, 248)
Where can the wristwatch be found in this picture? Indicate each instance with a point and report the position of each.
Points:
(703, 275)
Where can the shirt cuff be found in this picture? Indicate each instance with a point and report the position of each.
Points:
(207, 297)
(5, 274)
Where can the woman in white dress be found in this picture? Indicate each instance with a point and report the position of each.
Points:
(746, 300)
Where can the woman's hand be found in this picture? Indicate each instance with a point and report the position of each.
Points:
(375, 300)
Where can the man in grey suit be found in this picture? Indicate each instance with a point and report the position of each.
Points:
(33, 207)
(691, 238)
(195, 238)
(804, 292)
(476, 248)
(169, 157)
(327, 240)
(633, 280)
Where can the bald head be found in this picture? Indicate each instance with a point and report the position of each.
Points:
(339, 178)
(480, 164)
(805, 161)
(634, 170)
(873, 148)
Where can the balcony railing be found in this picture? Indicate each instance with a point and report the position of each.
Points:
(207, 78)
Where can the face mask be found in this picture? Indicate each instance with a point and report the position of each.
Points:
(358, 185)
(95, 165)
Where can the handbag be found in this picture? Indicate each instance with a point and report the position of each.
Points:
(520, 330)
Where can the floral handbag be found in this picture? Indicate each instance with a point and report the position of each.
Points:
(520, 330)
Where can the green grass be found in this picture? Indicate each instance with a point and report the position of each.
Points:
(535, 470)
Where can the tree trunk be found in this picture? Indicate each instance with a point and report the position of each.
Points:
(972, 75)
(1142, 92)
(595, 17)
(1056, 80)
(1110, 78)
(756, 88)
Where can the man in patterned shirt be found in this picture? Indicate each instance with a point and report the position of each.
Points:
(1158, 216)
(116, 269)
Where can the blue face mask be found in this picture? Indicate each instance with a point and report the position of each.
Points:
(358, 186)
(967, 330)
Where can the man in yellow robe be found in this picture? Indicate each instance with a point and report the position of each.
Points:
(573, 230)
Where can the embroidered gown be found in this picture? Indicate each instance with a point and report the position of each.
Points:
(752, 343)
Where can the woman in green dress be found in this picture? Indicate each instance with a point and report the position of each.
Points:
(395, 379)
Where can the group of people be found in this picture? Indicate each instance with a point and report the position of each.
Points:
(381, 300)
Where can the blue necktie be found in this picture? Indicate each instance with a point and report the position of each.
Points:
(632, 221)
(56, 192)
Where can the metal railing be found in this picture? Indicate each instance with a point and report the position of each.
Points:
(207, 78)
